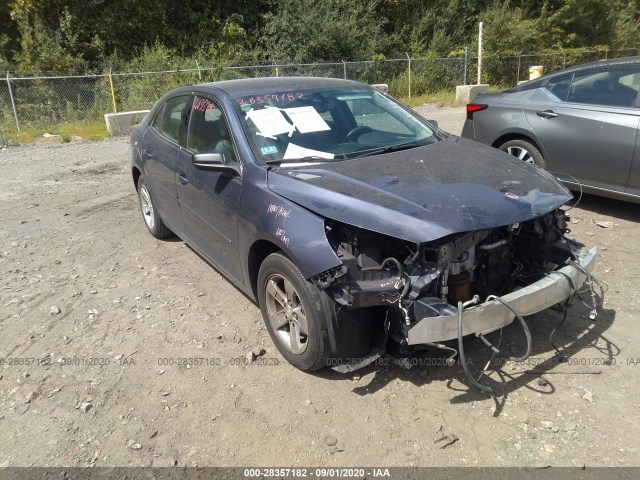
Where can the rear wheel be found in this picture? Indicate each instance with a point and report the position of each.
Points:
(152, 219)
(525, 151)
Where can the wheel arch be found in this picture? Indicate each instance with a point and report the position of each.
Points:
(259, 250)
(507, 137)
(135, 173)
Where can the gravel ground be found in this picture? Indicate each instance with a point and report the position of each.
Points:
(122, 350)
(450, 119)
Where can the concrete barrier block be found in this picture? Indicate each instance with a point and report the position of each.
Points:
(466, 93)
(383, 87)
(121, 123)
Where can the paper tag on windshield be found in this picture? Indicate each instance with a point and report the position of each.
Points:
(270, 122)
(296, 151)
(307, 119)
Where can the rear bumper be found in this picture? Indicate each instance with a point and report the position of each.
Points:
(468, 130)
(493, 315)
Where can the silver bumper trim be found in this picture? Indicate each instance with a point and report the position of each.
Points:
(492, 315)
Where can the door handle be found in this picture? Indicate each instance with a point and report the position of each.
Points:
(183, 179)
(546, 113)
(147, 154)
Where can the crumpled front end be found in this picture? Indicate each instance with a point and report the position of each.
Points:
(481, 319)
(471, 283)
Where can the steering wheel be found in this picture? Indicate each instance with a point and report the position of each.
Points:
(355, 132)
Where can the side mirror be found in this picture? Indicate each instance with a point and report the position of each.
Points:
(213, 161)
(434, 123)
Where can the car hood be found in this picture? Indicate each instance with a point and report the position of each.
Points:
(424, 193)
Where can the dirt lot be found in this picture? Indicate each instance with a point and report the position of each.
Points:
(97, 319)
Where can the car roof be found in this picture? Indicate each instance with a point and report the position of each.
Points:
(253, 85)
(538, 82)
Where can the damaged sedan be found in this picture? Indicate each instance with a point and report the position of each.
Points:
(356, 225)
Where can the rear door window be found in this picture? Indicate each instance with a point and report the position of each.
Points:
(616, 87)
(172, 118)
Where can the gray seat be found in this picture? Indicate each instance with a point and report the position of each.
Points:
(223, 144)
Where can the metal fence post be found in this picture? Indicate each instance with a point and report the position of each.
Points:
(409, 73)
(466, 62)
(199, 71)
(113, 93)
(277, 71)
(344, 69)
(518, 72)
(480, 53)
(13, 103)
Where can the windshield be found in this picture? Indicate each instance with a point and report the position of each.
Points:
(328, 124)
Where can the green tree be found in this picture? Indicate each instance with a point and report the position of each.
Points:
(579, 23)
(627, 25)
(308, 30)
(507, 32)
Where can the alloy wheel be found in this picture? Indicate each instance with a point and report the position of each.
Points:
(286, 314)
(147, 206)
(520, 153)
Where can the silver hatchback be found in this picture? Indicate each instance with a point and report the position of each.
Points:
(580, 123)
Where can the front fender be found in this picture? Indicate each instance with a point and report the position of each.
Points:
(299, 233)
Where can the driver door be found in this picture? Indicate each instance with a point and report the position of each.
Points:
(209, 199)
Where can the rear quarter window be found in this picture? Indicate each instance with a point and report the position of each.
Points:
(559, 87)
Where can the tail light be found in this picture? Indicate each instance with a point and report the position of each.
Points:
(474, 107)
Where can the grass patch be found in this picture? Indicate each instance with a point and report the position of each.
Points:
(87, 130)
(96, 130)
(441, 98)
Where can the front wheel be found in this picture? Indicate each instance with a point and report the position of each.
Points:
(294, 312)
(524, 151)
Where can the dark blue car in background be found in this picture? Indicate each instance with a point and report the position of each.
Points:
(352, 221)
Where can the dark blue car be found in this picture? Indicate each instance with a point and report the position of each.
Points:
(352, 221)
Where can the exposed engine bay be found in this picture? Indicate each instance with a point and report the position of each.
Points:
(438, 279)
(430, 279)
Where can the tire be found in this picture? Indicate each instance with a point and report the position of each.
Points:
(524, 151)
(150, 214)
(295, 313)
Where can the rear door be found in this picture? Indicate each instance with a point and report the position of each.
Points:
(160, 157)
(587, 125)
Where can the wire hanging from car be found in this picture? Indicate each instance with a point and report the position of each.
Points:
(525, 327)
(576, 182)
(463, 360)
(591, 280)
(493, 348)
(567, 303)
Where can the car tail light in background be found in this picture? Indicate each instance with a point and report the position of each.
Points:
(474, 107)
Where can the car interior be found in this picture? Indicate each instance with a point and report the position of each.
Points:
(604, 88)
(355, 124)
(208, 132)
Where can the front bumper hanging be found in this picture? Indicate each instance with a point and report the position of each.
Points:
(494, 315)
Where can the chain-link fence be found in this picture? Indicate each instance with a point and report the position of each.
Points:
(45, 101)
(508, 71)
(48, 101)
